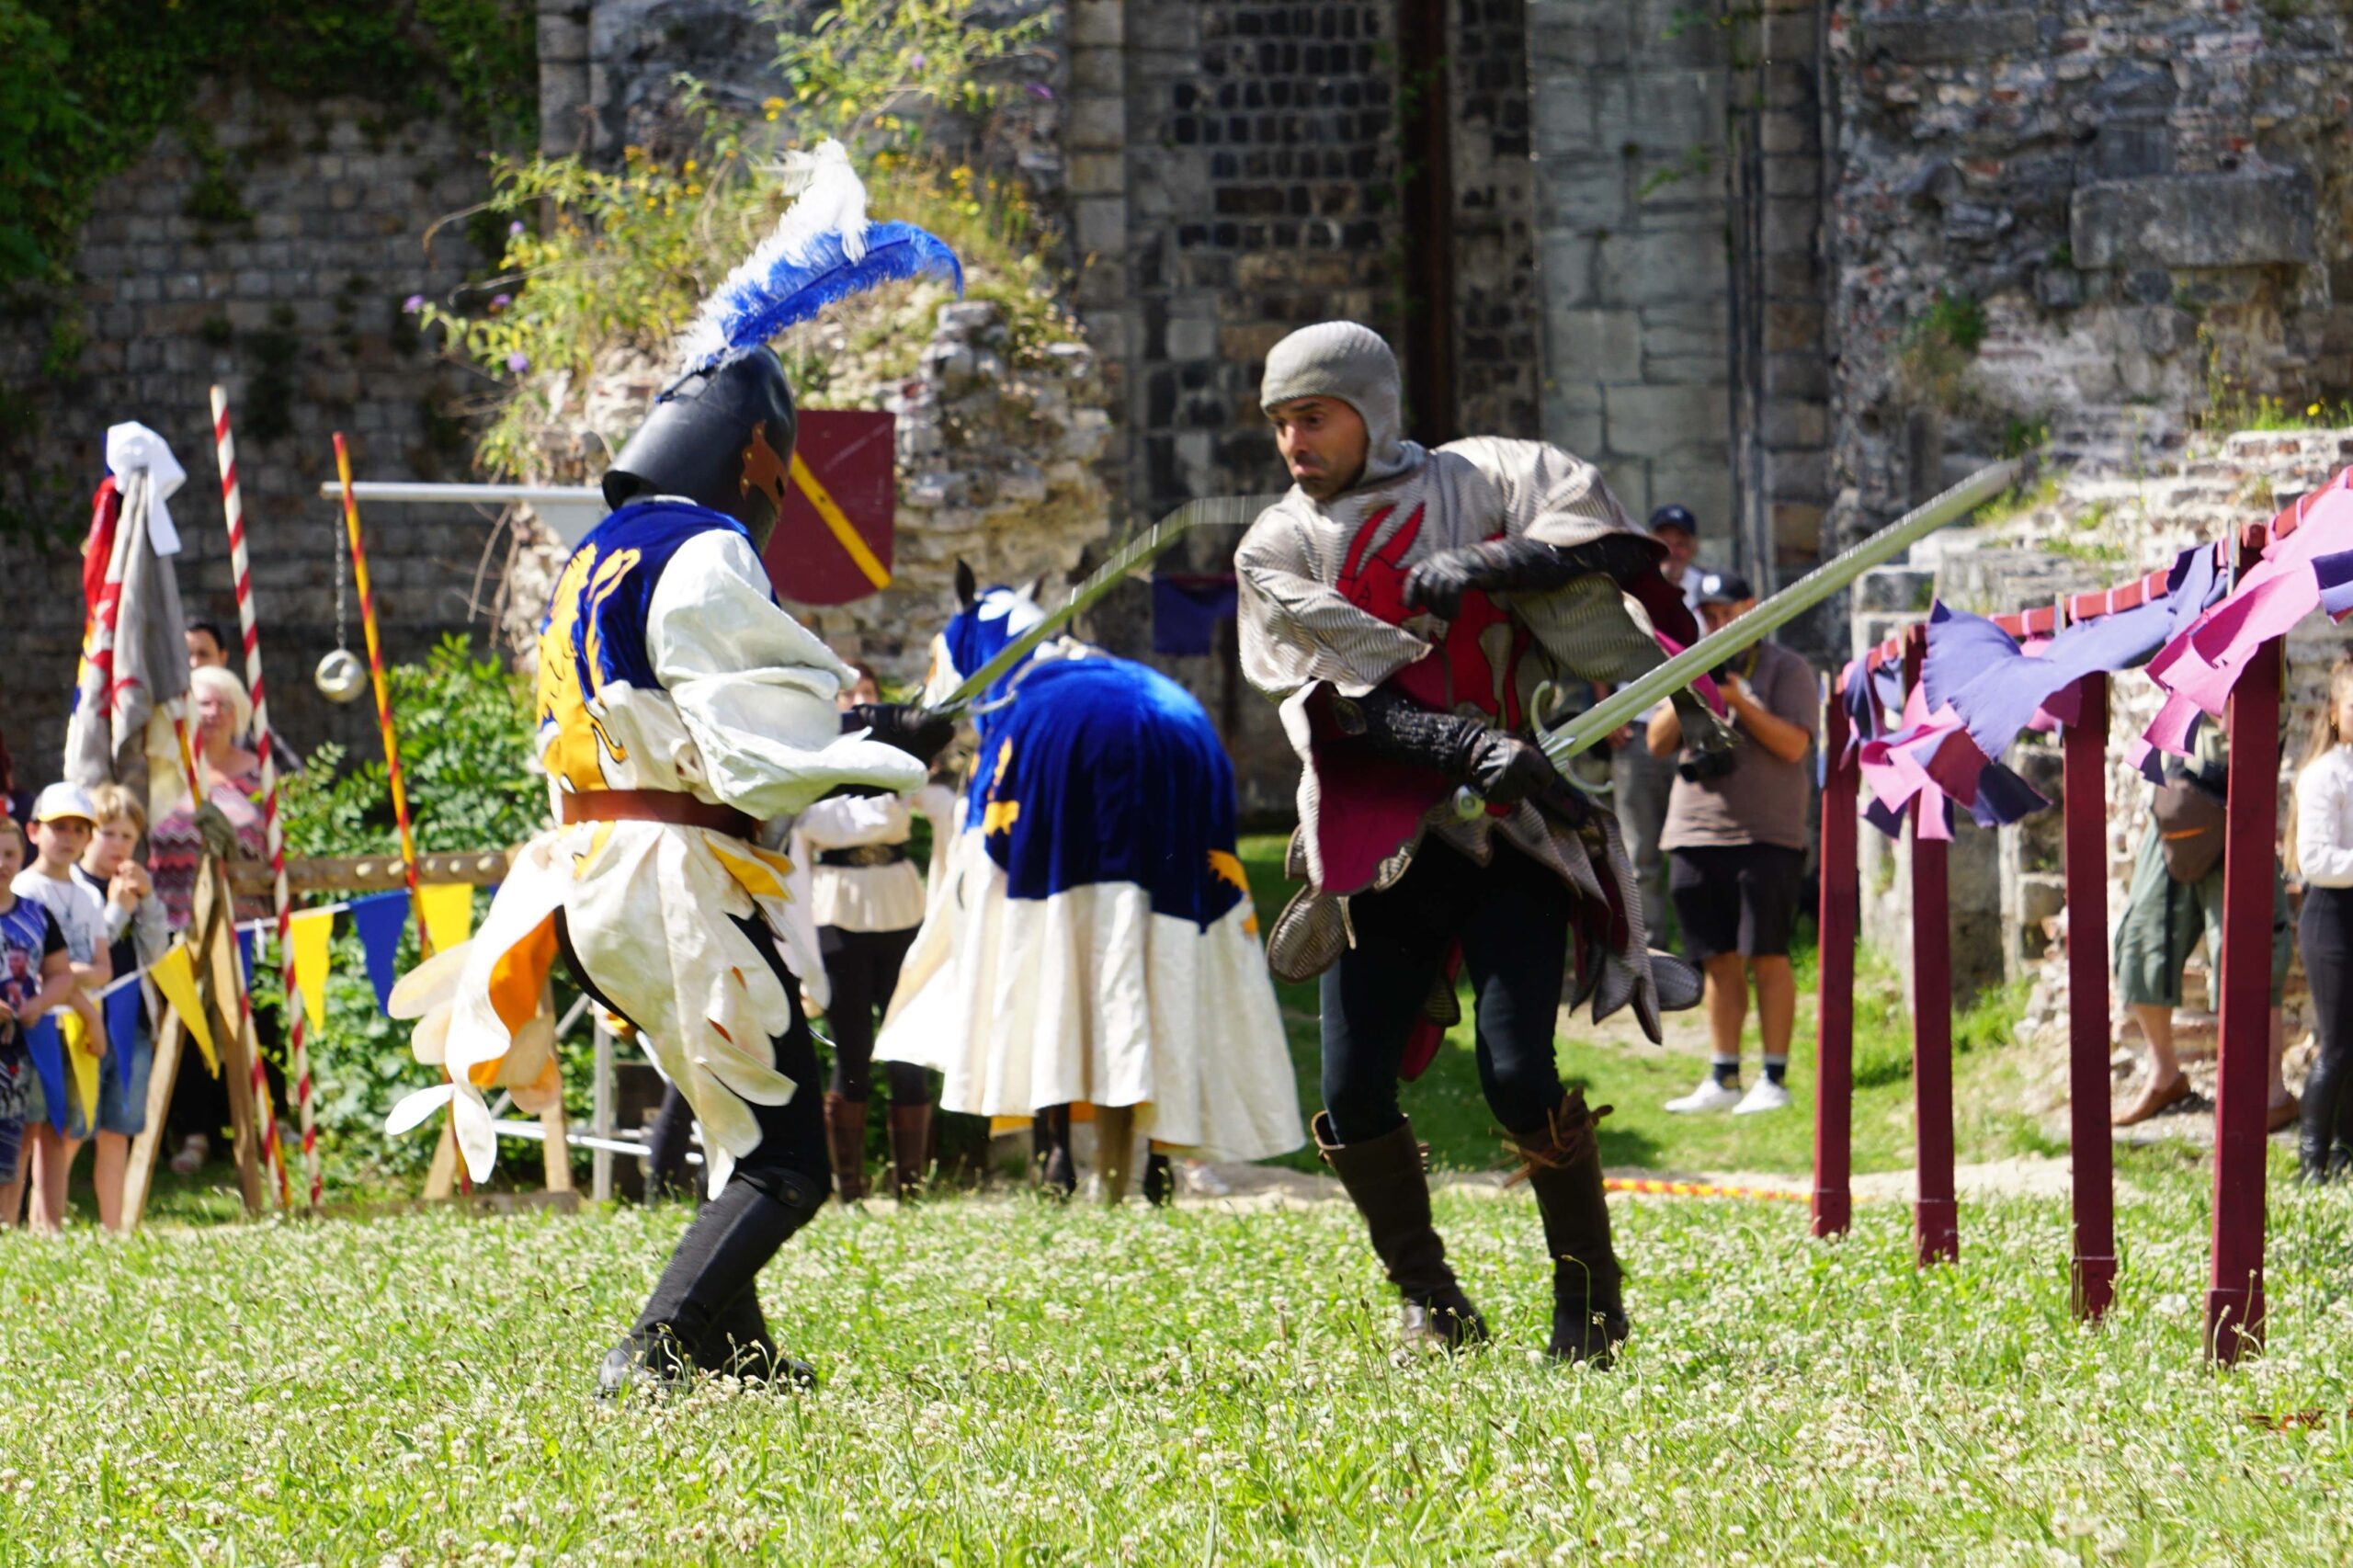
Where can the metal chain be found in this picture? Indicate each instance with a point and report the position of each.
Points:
(342, 572)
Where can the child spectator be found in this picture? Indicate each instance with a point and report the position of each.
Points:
(35, 975)
(138, 932)
(63, 822)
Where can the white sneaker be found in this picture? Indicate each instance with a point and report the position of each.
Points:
(1709, 1096)
(1765, 1095)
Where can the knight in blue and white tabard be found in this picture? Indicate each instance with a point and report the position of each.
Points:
(679, 705)
(1093, 942)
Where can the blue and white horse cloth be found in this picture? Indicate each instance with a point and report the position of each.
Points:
(1092, 939)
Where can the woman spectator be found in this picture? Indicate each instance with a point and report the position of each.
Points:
(231, 783)
(231, 790)
(2320, 850)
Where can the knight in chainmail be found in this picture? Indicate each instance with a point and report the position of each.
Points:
(1409, 609)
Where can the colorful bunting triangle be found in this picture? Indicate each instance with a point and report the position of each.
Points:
(47, 1049)
(380, 918)
(449, 909)
(82, 1055)
(308, 933)
(174, 976)
(123, 1016)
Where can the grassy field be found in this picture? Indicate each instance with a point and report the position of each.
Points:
(1009, 1383)
(1617, 1067)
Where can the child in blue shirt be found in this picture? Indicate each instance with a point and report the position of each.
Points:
(35, 975)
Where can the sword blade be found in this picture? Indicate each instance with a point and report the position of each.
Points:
(1586, 729)
(1133, 553)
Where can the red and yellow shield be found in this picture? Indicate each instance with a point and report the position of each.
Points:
(832, 543)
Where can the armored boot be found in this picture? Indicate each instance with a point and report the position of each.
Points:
(737, 1344)
(1564, 1170)
(1050, 1145)
(1384, 1177)
(910, 1150)
(846, 1145)
(712, 1270)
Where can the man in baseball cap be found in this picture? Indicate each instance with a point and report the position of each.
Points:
(1673, 527)
(1736, 835)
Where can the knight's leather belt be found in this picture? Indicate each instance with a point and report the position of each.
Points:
(655, 805)
(863, 855)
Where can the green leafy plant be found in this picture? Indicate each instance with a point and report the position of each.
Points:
(1933, 354)
(465, 729)
(601, 261)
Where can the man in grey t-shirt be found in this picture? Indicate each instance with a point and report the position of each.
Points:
(1736, 831)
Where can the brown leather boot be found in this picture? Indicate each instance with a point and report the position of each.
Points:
(846, 1145)
(910, 1150)
(1384, 1177)
(1564, 1168)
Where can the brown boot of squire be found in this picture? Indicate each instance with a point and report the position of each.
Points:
(1384, 1178)
(846, 1145)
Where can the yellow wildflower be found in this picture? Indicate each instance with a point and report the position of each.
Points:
(2311, 411)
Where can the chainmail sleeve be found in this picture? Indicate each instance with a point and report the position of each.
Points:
(1297, 631)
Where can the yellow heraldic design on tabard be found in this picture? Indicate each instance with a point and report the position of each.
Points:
(581, 745)
(998, 816)
(1226, 866)
(571, 754)
(762, 876)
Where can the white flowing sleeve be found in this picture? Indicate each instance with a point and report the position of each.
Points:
(849, 820)
(2323, 857)
(755, 688)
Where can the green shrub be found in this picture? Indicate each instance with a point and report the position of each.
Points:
(466, 757)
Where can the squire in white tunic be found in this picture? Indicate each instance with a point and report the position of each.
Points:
(664, 663)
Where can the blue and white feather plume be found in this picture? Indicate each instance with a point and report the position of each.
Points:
(822, 250)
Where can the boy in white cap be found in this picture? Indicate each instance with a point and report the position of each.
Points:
(63, 819)
(1407, 607)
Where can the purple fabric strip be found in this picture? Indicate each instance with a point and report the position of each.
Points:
(1996, 688)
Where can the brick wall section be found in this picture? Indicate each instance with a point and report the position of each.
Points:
(315, 281)
(1628, 103)
(2125, 188)
(1231, 165)
(1499, 320)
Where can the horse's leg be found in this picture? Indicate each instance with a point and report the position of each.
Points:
(1115, 1137)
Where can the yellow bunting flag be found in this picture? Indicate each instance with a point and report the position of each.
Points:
(82, 1053)
(174, 976)
(449, 914)
(310, 932)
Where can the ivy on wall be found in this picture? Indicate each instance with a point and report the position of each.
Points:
(90, 83)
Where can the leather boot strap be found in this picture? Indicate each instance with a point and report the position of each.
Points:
(655, 805)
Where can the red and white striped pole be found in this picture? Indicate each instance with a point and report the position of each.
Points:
(298, 1053)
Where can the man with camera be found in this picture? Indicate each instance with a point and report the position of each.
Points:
(1736, 833)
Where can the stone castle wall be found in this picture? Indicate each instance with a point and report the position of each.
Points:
(2132, 194)
(297, 311)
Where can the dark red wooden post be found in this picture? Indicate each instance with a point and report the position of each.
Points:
(2242, 1096)
(2086, 783)
(1936, 1221)
(1837, 921)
